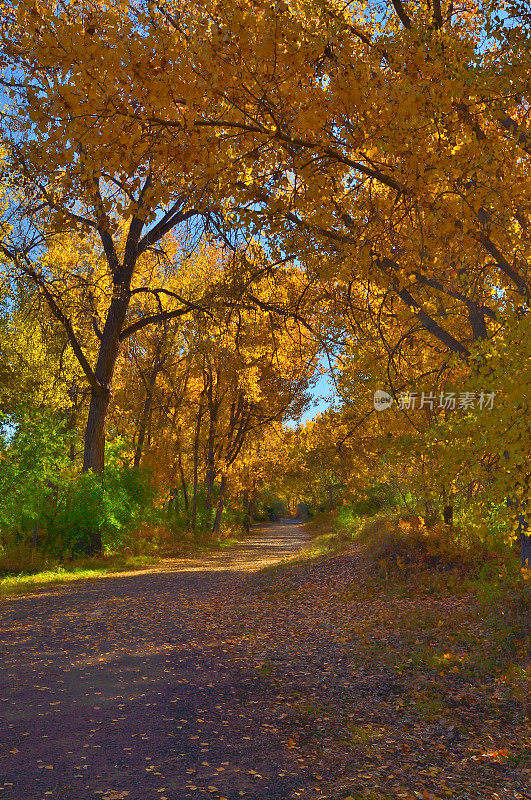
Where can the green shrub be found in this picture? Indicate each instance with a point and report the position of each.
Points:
(46, 506)
(114, 504)
(34, 464)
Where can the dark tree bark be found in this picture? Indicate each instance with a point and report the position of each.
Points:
(183, 484)
(448, 515)
(220, 505)
(94, 454)
(196, 466)
(210, 476)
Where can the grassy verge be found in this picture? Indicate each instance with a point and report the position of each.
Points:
(85, 569)
(326, 537)
(28, 579)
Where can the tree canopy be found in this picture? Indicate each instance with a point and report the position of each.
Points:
(205, 202)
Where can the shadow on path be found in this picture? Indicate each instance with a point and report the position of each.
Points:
(124, 687)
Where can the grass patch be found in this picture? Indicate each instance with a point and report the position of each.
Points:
(83, 570)
(331, 542)
(359, 734)
(32, 572)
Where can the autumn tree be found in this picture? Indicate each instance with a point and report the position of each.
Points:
(384, 146)
(427, 198)
(215, 387)
(92, 177)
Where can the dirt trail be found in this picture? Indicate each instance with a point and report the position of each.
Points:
(125, 687)
(212, 678)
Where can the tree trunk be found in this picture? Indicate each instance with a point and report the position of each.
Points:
(525, 545)
(196, 468)
(147, 408)
(94, 456)
(211, 392)
(248, 506)
(211, 458)
(220, 506)
(142, 431)
(183, 483)
(246, 523)
(448, 515)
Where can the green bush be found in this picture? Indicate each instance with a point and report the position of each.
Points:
(34, 464)
(113, 504)
(47, 507)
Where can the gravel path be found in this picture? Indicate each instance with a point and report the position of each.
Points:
(124, 687)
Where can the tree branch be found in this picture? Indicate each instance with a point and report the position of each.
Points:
(523, 139)
(151, 319)
(504, 265)
(59, 315)
(401, 12)
(169, 221)
(424, 318)
(431, 325)
(437, 14)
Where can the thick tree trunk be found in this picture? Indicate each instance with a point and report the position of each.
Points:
(94, 459)
(94, 456)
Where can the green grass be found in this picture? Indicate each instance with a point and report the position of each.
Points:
(98, 567)
(85, 570)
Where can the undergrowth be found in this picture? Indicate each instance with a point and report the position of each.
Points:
(25, 569)
(406, 559)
